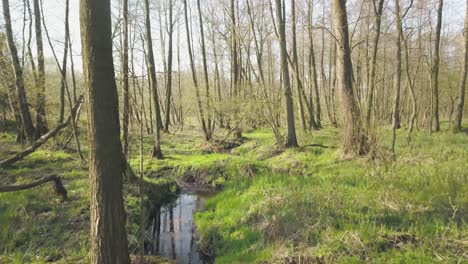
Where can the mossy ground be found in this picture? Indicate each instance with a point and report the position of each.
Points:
(305, 204)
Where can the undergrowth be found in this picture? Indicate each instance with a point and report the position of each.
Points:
(303, 205)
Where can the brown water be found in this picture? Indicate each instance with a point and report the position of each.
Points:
(172, 233)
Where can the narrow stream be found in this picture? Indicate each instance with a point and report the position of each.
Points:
(171, 231)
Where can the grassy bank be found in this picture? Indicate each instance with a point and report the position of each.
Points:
(309, 206)
(304, 205)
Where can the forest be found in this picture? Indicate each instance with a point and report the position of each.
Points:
(233, 131)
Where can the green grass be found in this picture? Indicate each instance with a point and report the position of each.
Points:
(311, 206)
(275, 205)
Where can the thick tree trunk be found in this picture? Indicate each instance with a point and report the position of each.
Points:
(157, 153)
(435, 70)
(352, 138)
(106, 162)
(291, 140)
(457, 122)
(18, 71)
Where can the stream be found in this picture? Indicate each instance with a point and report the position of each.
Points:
(171, 231)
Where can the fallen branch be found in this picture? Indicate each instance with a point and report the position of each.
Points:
(316, 145)
(59, 188)
(19, 156)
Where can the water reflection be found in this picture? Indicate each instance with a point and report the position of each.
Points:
(171, 231)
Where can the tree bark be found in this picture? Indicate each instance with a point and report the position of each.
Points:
(106, 162)
(352, 138)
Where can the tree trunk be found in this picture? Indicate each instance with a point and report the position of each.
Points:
(157, 153)
(435, 70)
(378, 10)
(64, 64)
(206, 132)
(397, 77)
(41, 126)
(457, 122)
(18, 71)
(169, 69)
(205, 71)
(106, 162)
(291, 140)
(313, 69)
(125, 87)
(352, 139)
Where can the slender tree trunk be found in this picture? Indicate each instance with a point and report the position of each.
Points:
(205, 71)
(72, 69)
(208, 136)
(169, 69)
(157, 153)
(457, 122)
(64, 63)
(411, 81)
(18, 71)
(435, 70)
(106, 162)
(397, 77)
(291, 140)
(125, 87)
(378, 10)
(352, 139)
(295, 65)
(313, 72)
(41, 123)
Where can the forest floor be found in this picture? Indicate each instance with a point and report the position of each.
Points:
(304, 205)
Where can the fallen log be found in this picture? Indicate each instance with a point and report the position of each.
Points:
(19, 156)
(59, 188)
